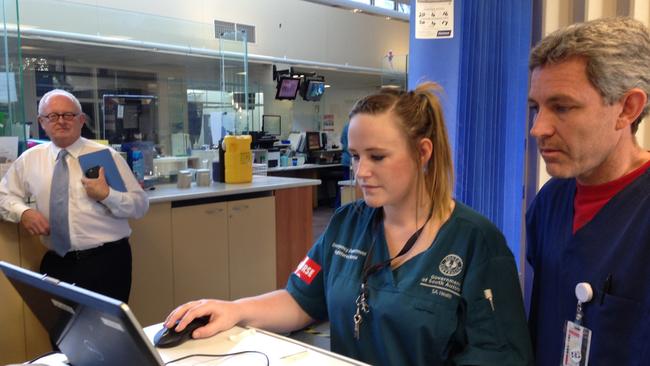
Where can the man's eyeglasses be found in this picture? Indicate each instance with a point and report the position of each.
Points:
(54, 117)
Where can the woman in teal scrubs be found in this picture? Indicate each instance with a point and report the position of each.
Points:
(408, 276)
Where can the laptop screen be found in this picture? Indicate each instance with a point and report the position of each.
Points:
(89, 328)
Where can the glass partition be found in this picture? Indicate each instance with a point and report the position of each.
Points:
(143, 93)
(139, 78)
(11, 81)
(237, 102)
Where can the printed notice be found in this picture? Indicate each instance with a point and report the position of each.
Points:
(434, 19)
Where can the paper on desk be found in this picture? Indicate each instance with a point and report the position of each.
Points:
(278, 350)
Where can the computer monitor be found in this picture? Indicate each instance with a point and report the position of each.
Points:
(315, 90)
(287, 88)
(313, 141)
(312, 88)
(89, 328)
(272, 124)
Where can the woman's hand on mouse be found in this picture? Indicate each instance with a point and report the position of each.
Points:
(223, 315)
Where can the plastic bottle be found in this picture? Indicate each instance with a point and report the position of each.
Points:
(138, 166)
(239, 159)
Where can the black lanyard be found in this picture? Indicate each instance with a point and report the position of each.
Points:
(368, 270)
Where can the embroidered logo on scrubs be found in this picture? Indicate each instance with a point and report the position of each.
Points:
(307, 270)
(442, 286)
(451, 265)
(347, 253)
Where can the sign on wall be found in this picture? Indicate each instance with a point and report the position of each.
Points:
(328, 123)
(434, 19)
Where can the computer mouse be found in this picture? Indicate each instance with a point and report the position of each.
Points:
(168, 337)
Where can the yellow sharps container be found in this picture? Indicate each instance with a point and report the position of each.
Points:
(239, 159)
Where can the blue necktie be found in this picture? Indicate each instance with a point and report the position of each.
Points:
(59, 226)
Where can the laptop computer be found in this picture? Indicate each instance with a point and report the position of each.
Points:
(89, 328)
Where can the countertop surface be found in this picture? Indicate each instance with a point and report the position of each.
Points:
(260, 183)
(302, 167)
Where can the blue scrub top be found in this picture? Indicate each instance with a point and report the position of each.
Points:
(432, 309)
(615, 244)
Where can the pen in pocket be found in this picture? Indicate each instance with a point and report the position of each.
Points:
(607, 285)
(488, 295)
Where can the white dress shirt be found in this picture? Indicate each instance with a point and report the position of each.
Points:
(92, 223)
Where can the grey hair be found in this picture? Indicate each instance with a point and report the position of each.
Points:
(617, 52)
(46, 97)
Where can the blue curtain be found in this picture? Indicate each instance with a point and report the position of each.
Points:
(485, 103)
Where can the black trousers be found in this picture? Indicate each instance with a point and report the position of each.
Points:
(105, 269)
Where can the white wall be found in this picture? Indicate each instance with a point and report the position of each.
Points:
(294, 29)
(284, 28)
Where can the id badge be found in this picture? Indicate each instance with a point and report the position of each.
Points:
(577, 340)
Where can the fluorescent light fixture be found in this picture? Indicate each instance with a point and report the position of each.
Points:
(327, 85)
(117, 37)
(25, 26)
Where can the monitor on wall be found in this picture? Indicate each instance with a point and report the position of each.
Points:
(312, 88)
(287, 88)
(315, 90)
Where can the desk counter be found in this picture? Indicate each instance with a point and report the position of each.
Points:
(302, 167)
(222, 241)
(279, 350)
(169, 192)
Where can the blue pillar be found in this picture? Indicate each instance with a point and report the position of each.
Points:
(484, 72)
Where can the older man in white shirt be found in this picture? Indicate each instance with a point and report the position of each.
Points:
(84, 222)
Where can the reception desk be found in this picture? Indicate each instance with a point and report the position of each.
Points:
(277, 349)
(223, 241)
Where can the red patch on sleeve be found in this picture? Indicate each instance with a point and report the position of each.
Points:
(307, 270)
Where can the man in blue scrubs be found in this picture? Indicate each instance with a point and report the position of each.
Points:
(591, 222)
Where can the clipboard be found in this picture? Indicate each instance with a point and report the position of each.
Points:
(103, 158)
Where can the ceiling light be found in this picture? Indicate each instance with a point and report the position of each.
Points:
(117, 37)
(327, 85)
(24, 26)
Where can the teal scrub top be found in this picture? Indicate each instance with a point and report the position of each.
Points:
(431, 310)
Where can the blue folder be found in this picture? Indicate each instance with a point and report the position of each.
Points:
(104, 159)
